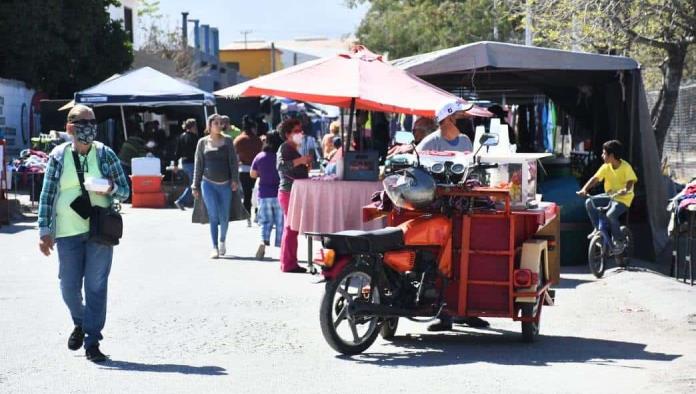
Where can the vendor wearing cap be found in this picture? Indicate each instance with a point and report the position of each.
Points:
(448, 137)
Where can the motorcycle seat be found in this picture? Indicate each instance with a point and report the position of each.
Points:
(356, 241)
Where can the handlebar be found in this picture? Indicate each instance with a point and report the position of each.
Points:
(486, 166)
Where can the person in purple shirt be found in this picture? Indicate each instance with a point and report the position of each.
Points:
(263, 167)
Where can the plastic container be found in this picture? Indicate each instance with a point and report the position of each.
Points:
(147, 166)
(97, 184)
(149, 200)
(146, 184)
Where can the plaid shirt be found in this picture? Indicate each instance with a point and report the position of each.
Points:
(109, 166)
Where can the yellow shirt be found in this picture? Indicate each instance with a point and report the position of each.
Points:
(616, 179)
(68, 222)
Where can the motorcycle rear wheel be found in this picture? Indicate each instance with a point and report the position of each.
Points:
(340, 329)
(596, 258)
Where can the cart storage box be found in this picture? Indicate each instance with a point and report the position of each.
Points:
(147, 166)
(146, 184)
(149, 200)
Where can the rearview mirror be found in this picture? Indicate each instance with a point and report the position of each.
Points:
(404, 137)
(488, 139)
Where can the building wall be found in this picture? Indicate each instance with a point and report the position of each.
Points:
(118, 14)
(291, 58)
(252, 62)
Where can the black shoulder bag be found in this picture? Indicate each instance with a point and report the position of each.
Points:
(105, 224)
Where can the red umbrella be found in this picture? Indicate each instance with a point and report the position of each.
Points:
(360, 79)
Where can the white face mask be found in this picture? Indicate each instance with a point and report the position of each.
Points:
(297, 138)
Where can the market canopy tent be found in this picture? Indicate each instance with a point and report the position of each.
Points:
(607, 91)
(144, 87)
(359, 80)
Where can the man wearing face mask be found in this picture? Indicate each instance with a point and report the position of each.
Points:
(448, 137)
(64, 221)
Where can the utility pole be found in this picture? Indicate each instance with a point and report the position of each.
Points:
(245, 33)
(184, 30)
(273, 59)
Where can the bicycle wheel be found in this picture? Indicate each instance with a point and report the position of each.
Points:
(596, 256)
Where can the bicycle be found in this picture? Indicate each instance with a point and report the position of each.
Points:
(601, 247)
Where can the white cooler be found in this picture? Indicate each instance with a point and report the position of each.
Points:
(145, 166)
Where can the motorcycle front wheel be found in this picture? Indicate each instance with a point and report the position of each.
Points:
(596, 256)
(343, 331)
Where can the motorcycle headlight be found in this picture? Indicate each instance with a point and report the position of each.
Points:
(437, 168)
(457, 169)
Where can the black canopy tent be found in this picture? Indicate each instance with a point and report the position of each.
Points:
(605, 92)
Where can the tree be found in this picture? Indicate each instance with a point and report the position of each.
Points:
(61, 46)
(655, 32)
(408, 27)
(165, 43)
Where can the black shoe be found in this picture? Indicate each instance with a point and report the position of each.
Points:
(95, 355)
(76, 338)
(475, 322)
(441, 325)
(297, 270)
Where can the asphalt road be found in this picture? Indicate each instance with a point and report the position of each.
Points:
(181, 323)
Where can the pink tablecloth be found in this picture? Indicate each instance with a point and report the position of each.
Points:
(330, 206)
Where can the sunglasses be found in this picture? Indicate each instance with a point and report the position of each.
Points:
(84, 122)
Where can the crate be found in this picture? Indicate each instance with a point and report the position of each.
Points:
(146, 184)
(149, 200)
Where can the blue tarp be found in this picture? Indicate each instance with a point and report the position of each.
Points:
(143, 87)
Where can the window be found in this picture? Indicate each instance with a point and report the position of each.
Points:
(128, 22)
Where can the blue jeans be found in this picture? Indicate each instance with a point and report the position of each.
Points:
(616, 209)
(81, 260)
(217, 199)
(270, 214)
(186, 197)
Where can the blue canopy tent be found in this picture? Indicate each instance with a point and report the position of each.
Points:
(144, 87)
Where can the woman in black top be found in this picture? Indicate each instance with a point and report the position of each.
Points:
(186, 144)
(291, 166)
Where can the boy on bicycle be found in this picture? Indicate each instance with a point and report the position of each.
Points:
(619, 179)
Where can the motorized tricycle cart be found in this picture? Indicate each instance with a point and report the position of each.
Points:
(465, 253)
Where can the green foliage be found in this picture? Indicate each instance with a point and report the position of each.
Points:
(61, 46)
(408, 27)
(642, 29)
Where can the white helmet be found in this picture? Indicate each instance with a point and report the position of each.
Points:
(412, 189)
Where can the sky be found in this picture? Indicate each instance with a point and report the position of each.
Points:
(268, 19)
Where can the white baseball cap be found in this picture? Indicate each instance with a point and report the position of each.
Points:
(450, 107)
